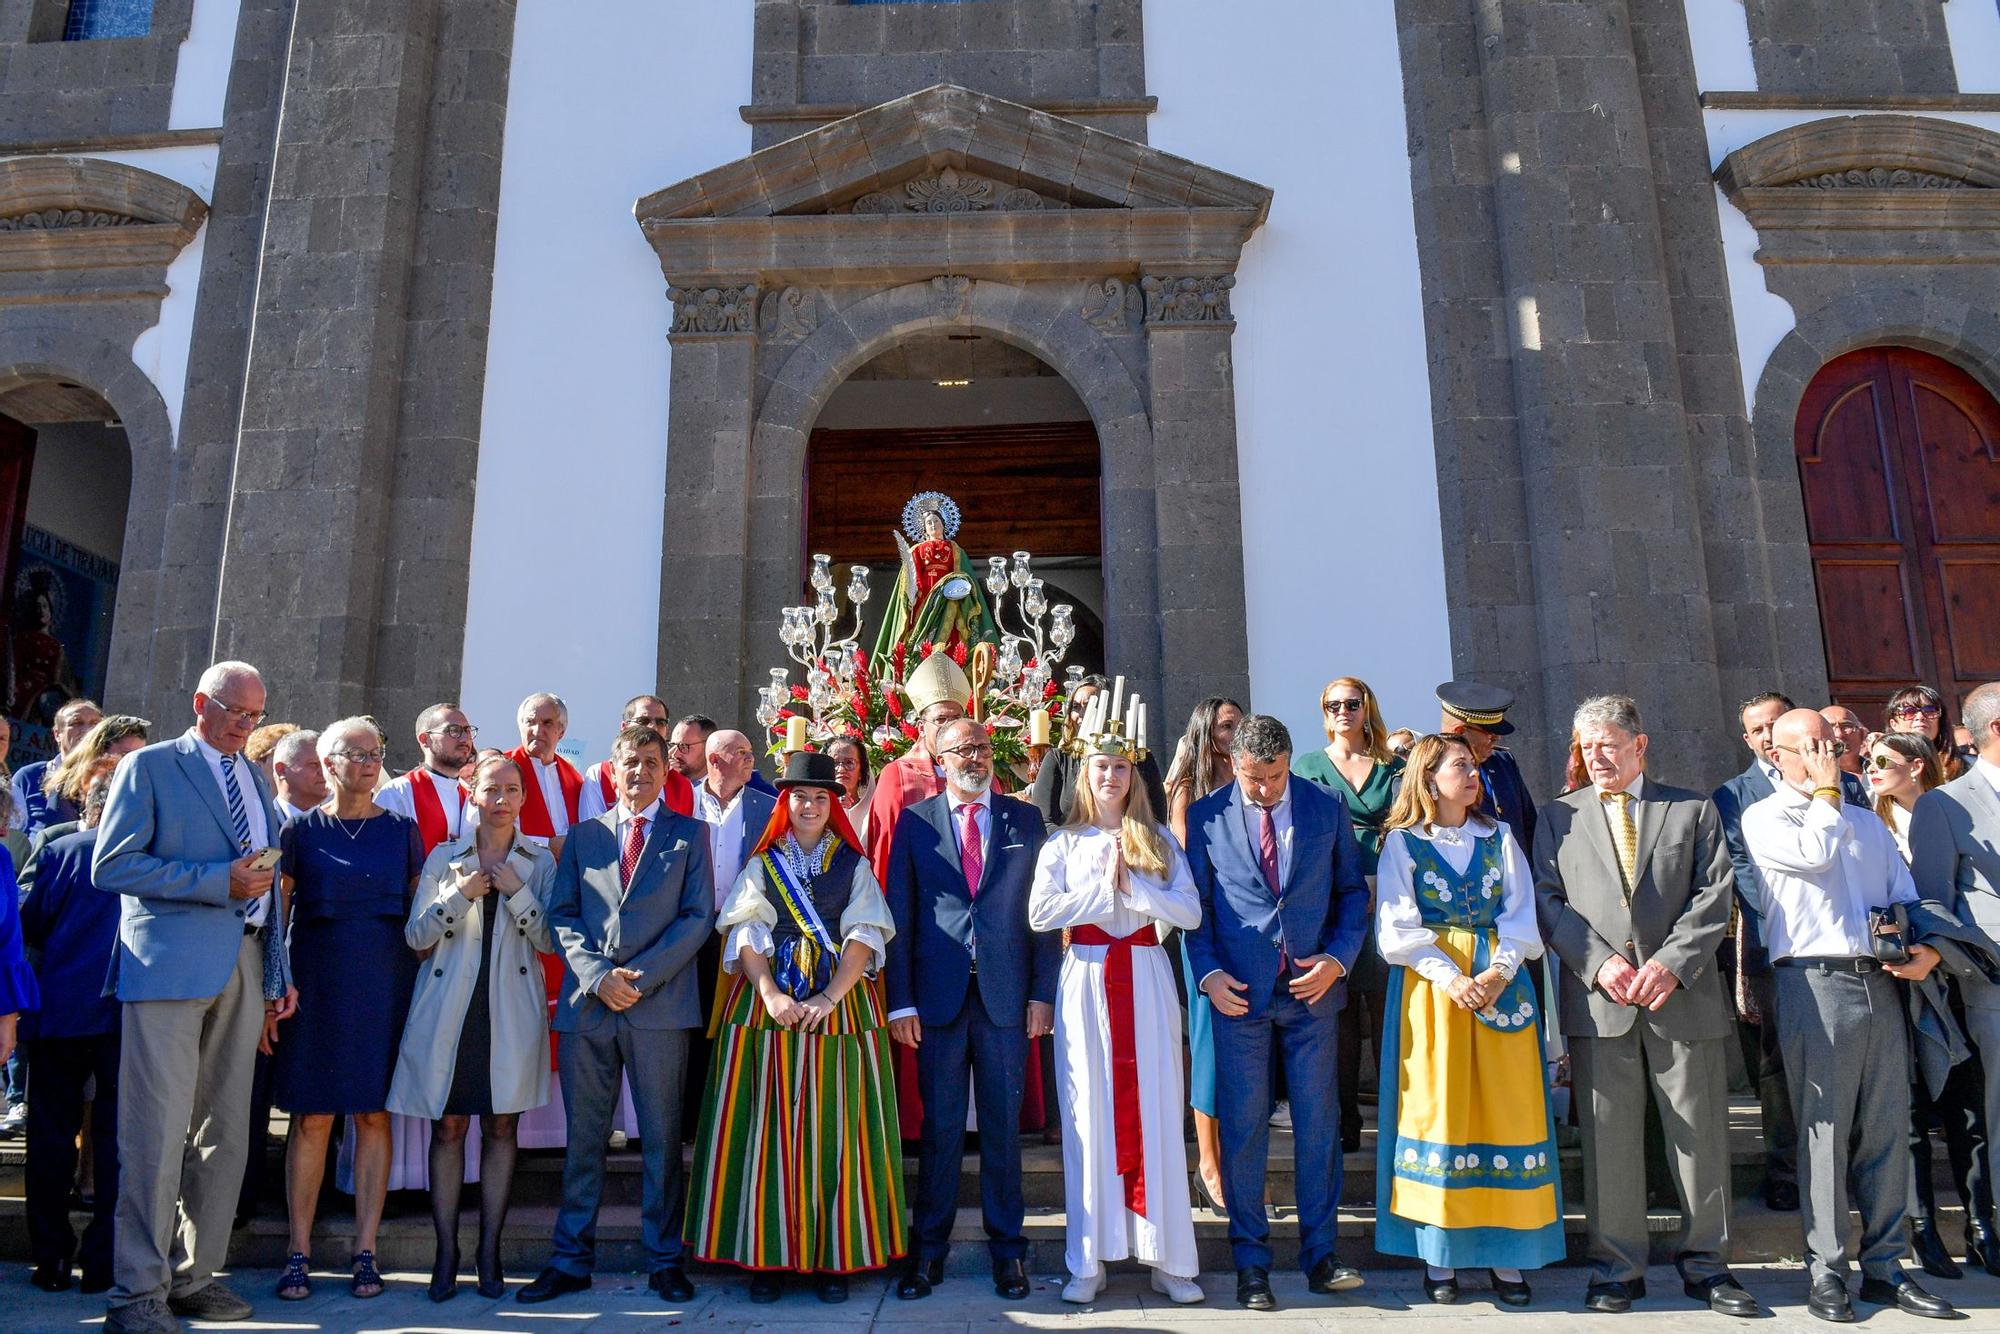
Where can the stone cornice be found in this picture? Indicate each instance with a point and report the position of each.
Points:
(85, 229)
(819, 113)
(1928, 150)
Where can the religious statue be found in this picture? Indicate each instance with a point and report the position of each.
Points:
(936, 600)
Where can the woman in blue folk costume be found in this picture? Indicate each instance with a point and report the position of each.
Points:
(1468, 1175)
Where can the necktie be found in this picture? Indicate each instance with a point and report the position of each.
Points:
(635, 839)
(238, 815)
(971, 855)
(1625, 836)
(1267, 851)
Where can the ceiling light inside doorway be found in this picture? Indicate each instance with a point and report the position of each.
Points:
(952, 384)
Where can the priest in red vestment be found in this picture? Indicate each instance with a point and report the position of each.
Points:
(600, 790)
(431, 793)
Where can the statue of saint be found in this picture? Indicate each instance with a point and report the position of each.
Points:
(937, 600)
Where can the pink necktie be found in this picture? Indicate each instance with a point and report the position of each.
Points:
(635, 839)
(971, 856)
(1267, 851)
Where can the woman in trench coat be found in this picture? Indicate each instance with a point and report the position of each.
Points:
(477, 1040)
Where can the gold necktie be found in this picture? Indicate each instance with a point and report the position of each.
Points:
(1625, 835)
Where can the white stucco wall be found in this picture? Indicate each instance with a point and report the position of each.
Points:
(565, 583)
(1342, 553)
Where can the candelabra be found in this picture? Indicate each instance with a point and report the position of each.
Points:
(1026, 662)
(807, 633)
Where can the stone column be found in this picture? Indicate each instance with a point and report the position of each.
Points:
(705, 541)
(1197, 500)
(302, 562)
(1607, 466)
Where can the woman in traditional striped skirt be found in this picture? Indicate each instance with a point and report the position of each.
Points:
(797, 1164)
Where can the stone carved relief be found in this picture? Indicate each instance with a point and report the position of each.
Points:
(1188, 300)
(950, 293)
(788, 316)
(952, 191)
(715, 310)
(1882, 178)
(66, 219)
(1107, 306)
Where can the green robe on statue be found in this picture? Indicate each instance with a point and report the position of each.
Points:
(925, 614)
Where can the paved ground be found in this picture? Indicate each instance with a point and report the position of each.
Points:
(1392, 1303)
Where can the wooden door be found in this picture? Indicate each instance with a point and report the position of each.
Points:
(1899, 459)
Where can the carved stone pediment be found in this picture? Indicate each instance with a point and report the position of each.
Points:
(952, 191)
(84, 228)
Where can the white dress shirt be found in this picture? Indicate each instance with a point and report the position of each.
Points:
(1636, 790)
(623, 823)
(1281, 821)
(256, 910)
(1899, 826)
(1820, 868)
(982, 806)
(725, 836)
(549, 777)
(1990, 771)
(1400, 930)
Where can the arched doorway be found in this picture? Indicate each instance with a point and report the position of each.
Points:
(1899, 460)
(991, 425)
(65, 475)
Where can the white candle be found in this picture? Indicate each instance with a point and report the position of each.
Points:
(795, 733)
(1038, 728)
(1117, 699)
(1139, 737)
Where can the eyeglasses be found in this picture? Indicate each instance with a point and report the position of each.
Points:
(684, 745)
(974, 751)
(248, 717)
(457, 733)
(1916, 711)
(1342, 706)
(362, 756)
(1836, 748)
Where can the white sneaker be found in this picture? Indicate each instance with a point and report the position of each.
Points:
(1281, 1116)
(1174, 1288)
(1083, 1291)
(15, 1123)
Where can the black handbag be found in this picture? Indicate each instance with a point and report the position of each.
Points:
(1886, 931)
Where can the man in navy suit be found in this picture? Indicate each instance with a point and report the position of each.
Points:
(1747, 955)
(1284, 909)
(970, 986)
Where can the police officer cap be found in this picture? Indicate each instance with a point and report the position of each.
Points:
(1478, 704)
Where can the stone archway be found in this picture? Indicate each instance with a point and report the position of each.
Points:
(949, 210)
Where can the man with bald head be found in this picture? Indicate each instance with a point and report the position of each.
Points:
(1822, 868)
(431, 794)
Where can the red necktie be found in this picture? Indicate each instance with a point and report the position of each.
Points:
(971, 856)
(635, 839)
(1267, 852)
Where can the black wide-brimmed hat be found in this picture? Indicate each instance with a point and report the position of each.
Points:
(1480, 705)
(803, 768)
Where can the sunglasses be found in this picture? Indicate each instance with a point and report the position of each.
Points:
(1342, 706)
(1882, 761)
(1916, 711)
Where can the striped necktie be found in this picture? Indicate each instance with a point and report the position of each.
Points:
(239, 816)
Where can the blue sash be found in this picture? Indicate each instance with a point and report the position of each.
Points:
(802, 964)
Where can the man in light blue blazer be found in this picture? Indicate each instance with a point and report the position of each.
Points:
(632, 901)
(200, 959)
(1284, 909)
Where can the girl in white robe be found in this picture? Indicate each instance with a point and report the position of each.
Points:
(1115, 880)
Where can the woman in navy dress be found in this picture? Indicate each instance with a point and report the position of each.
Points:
(349, 871)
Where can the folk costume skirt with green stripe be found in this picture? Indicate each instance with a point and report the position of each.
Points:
(798, 1164)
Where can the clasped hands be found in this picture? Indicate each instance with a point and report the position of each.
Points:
(1478, 991)
(909, 1030)
(1315, 977)
(1647, 986)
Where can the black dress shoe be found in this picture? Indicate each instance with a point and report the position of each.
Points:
(51, 1277)
(1511, 1292)
(1782, 1196)
(1330, 1275)
(832, 1289)
(94, 1281)
(1443, 1291)
(1614, 1298)
(550, 1284)
(1724, 1295)
(1828, 1300)
(1010, 1279)
(442, 1289)
(766, 1287)
(1982, 1248)
(1253, 1289)
(1903, 1293)
(1928, 1247)
(913, 1282)
(672, 1284)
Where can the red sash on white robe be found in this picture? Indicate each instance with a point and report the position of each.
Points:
(535, 819)
(677, 792)
(432, 822)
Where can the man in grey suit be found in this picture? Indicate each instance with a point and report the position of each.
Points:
(200, 961)
(632, 901)
(1955, 859)
(1632, 886)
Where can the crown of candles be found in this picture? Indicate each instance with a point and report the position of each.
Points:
(1113, 724)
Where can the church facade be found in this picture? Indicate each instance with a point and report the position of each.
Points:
(458, 350)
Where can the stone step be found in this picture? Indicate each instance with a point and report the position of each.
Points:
(406, 1242)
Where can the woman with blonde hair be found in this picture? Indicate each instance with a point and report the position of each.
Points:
(68, 779)
(1467, 1174)
(1114, 878)
(1358, 767)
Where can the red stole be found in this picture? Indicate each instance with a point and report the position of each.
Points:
(535, 817)
(677, 792)
(432, 822)
(1127, 1125)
